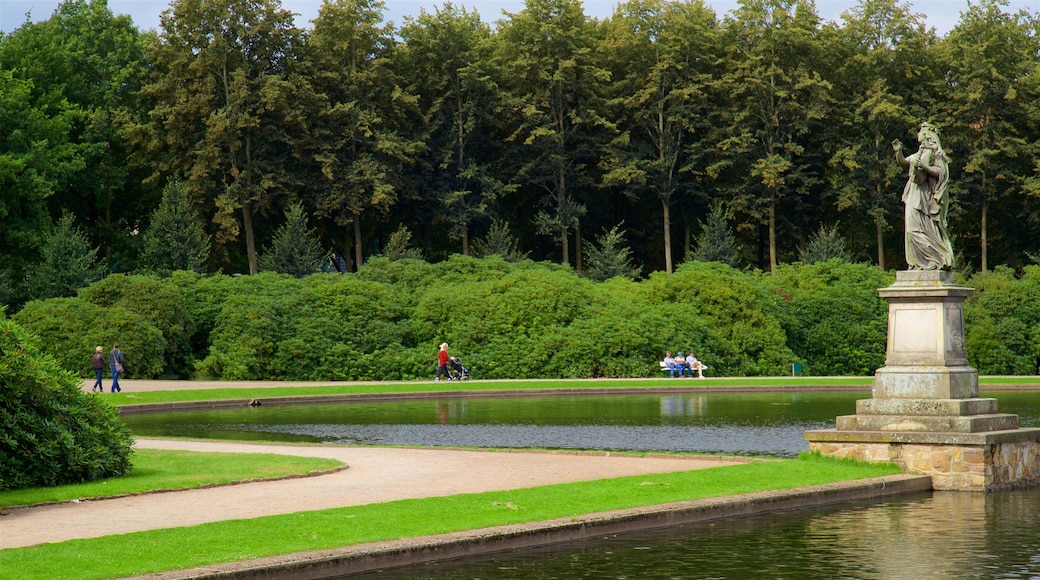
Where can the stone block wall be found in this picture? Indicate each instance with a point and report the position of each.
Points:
(992, 467)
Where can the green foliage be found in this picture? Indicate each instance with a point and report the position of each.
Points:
(163, 307)
(51, 432)
(399, 246)
(175, 238)
(826, 244)
(716, 242)
(835, 322)
(610, 257)
(70, 328)
(67, 262)
(726, 312)
(1002, 322)
(295, 250)
(499, 242)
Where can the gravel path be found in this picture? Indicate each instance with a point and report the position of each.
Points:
(375, 474)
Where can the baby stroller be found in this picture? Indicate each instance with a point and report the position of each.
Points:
(457, 372)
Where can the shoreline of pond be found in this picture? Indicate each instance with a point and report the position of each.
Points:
(441, 393)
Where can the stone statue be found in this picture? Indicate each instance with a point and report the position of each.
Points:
(927, 202)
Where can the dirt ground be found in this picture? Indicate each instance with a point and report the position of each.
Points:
(374, 474)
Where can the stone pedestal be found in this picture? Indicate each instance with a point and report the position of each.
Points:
(926, 414)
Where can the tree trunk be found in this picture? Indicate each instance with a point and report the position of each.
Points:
(687, 238)
(667, 237)
(566, 259)
(465, 241)
(247, 228)
(577, 247)
(985, 208)
(358, 254)
(879, 228)
(772, 232)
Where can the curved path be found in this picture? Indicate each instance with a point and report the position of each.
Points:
(375, 474)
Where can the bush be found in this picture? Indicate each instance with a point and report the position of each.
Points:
(70, 328)
(52, 433)
(1002, 322)
(162, 305)
(835, 322)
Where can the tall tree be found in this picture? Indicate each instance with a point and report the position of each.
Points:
(545, 56)
(221, 108)
(989, 55)
(779, 97)
(446, 53)
(662, 55)
(888, 59)
(85, 64)
(356, 137)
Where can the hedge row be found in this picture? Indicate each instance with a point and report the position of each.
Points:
(513, 320)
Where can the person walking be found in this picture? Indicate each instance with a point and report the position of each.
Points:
(442, 362)
(98, 363)
(116, 360)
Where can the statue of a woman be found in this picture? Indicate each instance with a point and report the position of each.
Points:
(927, 242)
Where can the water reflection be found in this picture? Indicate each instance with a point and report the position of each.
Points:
(945, 535)
(743, 424)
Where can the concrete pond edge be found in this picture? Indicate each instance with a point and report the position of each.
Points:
(364, 558)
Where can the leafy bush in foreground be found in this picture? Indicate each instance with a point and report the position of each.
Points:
(51, 432)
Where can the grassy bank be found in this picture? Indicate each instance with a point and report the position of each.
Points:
(186, 393)
(170, 470)
(178, 548)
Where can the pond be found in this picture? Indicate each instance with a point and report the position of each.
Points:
(745, 424)
(942, 535)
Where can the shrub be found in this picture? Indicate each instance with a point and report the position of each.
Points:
(70, 328)
(52, 433)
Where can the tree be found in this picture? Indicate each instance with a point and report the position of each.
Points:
(295, 249)
(826, 244)
(610, 257)
(357, 109)
(86, 65)
(222, 107)
(716, 242)
(990, 54)
(888, 58)
(777, 99)
(500, 242)
(544, 55)
(399, 245)
(662, 54)
(446, 54)
(68, 263)
(175, 238)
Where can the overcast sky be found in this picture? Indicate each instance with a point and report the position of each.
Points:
(942, 14)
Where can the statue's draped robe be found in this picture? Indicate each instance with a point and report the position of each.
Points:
(928, 244)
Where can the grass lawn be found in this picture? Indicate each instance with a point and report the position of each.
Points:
(390, 387)
(157, 469)
(178, 548)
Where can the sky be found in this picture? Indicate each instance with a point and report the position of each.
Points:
(940, 14)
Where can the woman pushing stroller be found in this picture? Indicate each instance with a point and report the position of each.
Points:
(450, 366)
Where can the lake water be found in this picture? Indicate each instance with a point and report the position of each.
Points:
(942, 535)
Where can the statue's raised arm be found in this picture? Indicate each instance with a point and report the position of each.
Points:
(927, 203)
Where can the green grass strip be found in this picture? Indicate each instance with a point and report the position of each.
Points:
(187, 394)
(179, 548)
(165, 470)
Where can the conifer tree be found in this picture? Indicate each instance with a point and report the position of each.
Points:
(175, 239)
(295, 250)
(610, 257)
(68, 263)
(716, 242)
